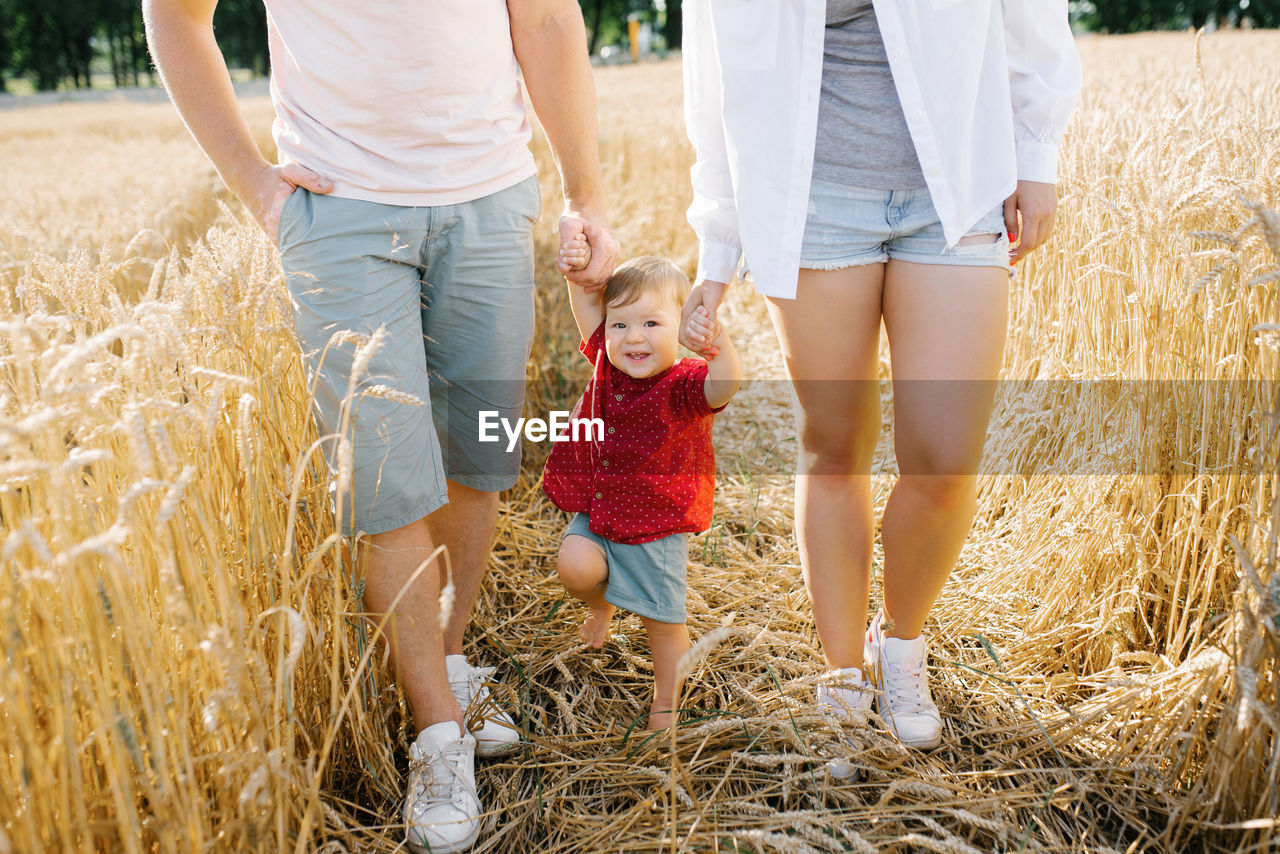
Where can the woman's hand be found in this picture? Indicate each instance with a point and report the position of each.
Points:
(1034, 203)
(698, 329)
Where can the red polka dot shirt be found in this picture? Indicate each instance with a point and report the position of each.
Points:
(653, 474)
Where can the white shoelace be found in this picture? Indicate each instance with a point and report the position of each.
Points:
(472, 685)
(907, 691)
(441, 775)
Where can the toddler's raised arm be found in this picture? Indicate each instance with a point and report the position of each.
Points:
(586, 303)
(575, 252)
(724, 369)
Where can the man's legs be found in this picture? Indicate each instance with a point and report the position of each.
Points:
(393, 584)
(477, 327)
(352, 272)
(400, 574)
(477, 323)
(464, 527)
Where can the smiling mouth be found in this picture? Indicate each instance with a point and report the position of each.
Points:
(637, 357)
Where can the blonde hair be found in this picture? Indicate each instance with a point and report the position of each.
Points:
(647, 274)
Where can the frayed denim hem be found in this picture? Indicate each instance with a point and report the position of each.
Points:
(828, 266)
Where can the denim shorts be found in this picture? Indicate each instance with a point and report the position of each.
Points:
(448, 290)
(852, 226)
(646, 578)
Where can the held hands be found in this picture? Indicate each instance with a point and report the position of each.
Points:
(1034, 203)
(266, 193)
(588, 251)
(699, 328)
(575, 252)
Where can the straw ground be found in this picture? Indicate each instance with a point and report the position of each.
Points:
(187, 666)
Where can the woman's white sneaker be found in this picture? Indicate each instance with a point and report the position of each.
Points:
(848, 693)
(901, 667)
(441, 808)
(496, 733)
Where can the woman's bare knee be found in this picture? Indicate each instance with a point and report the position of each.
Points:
(944, 491)
(837, 446)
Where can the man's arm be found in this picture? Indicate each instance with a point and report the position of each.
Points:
(180, 36)
(550, 44)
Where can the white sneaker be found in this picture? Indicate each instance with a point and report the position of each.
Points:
(848, 693)
(901, 668)
(441, 808)
(496, 734)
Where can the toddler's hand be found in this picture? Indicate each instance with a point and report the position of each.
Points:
(700, 327)
(575, 253)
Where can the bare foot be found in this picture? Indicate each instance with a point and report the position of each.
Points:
(595, 628)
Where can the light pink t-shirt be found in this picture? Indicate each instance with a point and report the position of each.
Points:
(404, 102)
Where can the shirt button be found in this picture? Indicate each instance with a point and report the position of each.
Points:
(610, 431)
(916, 114)
(617, 397)
(898, 53)
(599, 495)
(604, 462)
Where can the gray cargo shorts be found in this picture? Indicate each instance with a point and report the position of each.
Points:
(412, 321)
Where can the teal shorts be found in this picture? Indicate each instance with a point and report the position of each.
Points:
(647, 578)
(451, 289)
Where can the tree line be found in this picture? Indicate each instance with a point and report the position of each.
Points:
(1132, 16)
(60, 43)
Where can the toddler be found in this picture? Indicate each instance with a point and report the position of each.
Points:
(642, 487)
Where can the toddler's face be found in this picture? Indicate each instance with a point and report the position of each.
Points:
(640, 339)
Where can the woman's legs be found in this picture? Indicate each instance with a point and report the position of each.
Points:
(946, 327)
(830, 336)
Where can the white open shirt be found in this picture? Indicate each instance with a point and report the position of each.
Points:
(987, 87)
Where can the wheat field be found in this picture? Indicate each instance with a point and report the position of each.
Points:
(186, 666)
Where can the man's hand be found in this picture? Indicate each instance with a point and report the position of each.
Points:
(1034, 203)
(601, 255)
(698, 324)
(266, 195)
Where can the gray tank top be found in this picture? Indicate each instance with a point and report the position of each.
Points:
(863, 139)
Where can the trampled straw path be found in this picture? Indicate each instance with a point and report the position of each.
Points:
(186, 665)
